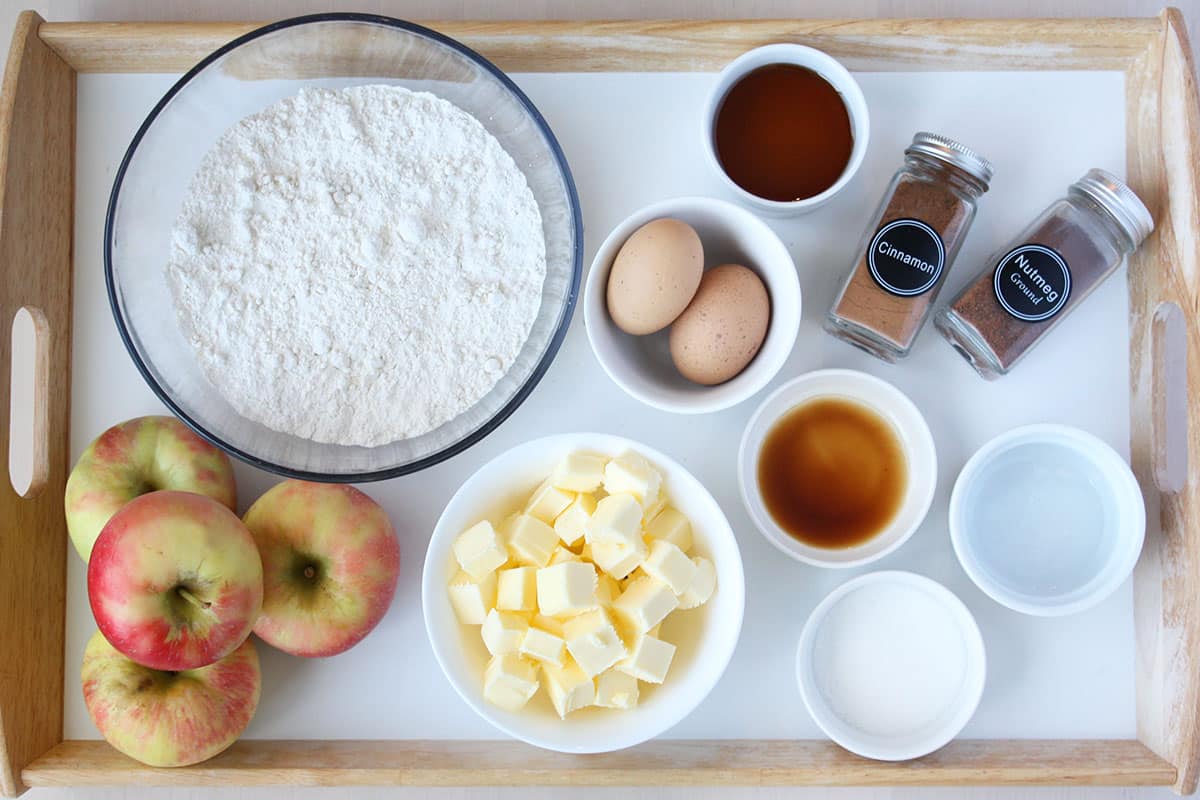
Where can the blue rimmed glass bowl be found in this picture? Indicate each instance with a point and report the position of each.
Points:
(242, 78)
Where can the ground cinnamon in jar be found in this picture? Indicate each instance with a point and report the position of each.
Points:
(1048, 270)
(909, 246)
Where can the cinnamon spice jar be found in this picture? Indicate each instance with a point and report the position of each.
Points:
(1043, 274)
(909, 246)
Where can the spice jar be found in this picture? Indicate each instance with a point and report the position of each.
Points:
(1045, 273)
(909, 246)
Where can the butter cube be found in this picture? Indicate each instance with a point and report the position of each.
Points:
(630, 473)
(567, 588)
(516, 589)
(671, 526)
(569, 688)
(593, 641)
(509, 681)
(562, 555)
(503, 632)
(471, 599)
(648, 659)
(549, 624)
(531, 540)
(607, 589)
(618, 520)
(616, 689)
(579, 472)
(645, 604)
(667, 563)
(544, 646)
(654, 509)
(573, 521)
(547, 502)
(479, 550)
(618, 560)
(704, 582)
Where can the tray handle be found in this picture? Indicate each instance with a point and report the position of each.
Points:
(37, 130)
(1163, 121)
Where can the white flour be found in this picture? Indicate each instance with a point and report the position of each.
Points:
(357, 266)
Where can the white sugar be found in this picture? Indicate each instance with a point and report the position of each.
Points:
(890, 660)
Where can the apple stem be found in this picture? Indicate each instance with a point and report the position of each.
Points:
(197, 602)
(310, 572)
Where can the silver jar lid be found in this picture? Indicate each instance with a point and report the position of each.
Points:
(1111, 193)
(953, 153)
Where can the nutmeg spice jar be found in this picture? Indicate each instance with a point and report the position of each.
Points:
(909, 246)
(1043, 274)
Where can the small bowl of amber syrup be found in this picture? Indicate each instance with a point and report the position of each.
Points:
(837, 468)
(786, 127)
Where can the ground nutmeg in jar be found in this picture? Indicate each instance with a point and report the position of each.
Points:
(1043, 274)
(909, 246)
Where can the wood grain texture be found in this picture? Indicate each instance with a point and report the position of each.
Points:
(658, 763)
(37, 123)
(670, 45)
(1144, 47)
(1163, 157)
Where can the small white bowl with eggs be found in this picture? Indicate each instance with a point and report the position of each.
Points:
(704, 637)
(642, 365)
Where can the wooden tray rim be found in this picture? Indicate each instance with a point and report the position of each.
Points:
(1156, 58)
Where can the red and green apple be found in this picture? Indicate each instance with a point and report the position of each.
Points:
(330, 564)
(175, 581)
(136, 457)
(170, 718)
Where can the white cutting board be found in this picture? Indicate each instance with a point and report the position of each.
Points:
(632, 139)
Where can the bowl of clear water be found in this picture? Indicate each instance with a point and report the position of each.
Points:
(1047, 520)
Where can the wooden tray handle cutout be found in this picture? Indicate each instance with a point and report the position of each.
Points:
(28, 427)
(1168, 356)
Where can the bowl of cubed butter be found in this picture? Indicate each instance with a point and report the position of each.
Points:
(583, 592)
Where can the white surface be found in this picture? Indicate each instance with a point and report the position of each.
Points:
(1047, 520)
(631, 140)
(891, 665)
(705, 638)
(642, 365)
(897, 410)
(835, 75)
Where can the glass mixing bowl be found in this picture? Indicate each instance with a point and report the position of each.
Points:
(243, 77)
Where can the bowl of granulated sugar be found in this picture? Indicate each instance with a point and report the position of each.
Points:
(343, 247)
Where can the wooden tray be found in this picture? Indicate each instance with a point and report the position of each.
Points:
(37, 109)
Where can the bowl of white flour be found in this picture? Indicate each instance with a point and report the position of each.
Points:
(343, 247)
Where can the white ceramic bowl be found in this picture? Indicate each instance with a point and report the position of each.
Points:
(641, 365)
(829, 69)
(891, 665)
(890, 403)
(705, 637)
(1047, 519)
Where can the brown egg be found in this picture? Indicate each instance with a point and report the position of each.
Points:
(654, 276)
(721, 330)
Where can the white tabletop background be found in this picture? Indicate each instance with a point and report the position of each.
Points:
(534, 9)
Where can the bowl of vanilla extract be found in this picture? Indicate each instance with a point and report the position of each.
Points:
(786, 128)
(837, 468)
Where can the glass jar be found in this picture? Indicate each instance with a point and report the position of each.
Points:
(909, 246)
(1042, 275)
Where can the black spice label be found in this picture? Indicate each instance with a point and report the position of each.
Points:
(906, 257)
(1032, 282)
